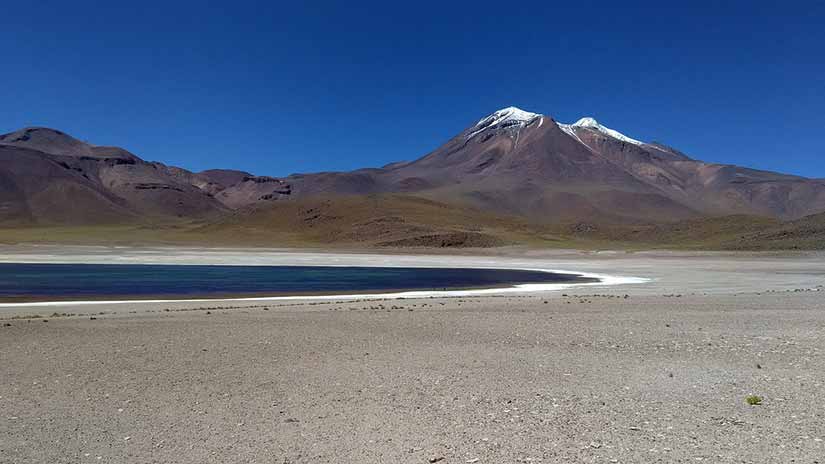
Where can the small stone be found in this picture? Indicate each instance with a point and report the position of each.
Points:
(437, 459)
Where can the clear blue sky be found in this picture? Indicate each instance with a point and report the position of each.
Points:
(282, 87)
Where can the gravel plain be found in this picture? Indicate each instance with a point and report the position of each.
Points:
(654, 372)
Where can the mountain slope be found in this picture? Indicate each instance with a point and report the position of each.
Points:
(707, 187)
(370, 220)
(807, 233)
(50, 177)
(36, 188)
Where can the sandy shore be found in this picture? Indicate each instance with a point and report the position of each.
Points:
(579, 375)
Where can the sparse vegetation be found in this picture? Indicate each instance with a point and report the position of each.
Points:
(753, 400)
(403, 221)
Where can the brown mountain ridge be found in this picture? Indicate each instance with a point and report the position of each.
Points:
(511, 166)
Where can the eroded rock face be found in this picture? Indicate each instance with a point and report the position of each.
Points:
(252, 189)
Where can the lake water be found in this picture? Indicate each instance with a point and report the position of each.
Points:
(76, 281)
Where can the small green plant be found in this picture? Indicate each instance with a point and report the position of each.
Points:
(753, 400)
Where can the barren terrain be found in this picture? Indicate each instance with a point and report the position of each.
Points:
(654, 372)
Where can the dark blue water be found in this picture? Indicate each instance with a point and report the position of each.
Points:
(23, 281)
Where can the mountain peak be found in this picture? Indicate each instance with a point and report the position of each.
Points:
(46, 140)
(512, 113)
(55, 142)
(510, 118)
(34, 133)
(587, 122)
(591, 123)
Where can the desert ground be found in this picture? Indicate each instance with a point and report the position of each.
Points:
(644, 372)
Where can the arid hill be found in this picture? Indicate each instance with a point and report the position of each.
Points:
(48, 177)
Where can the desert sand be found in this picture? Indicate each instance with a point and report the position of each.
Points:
(644, 372)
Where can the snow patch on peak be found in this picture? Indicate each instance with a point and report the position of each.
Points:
(511, 113)
(587, 122)
(510, 118)
(591, 123)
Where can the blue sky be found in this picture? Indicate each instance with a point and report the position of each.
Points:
(282, 87)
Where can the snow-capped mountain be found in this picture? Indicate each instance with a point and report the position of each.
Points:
(524, 162)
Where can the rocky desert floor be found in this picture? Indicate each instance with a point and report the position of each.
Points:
(653, 372)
